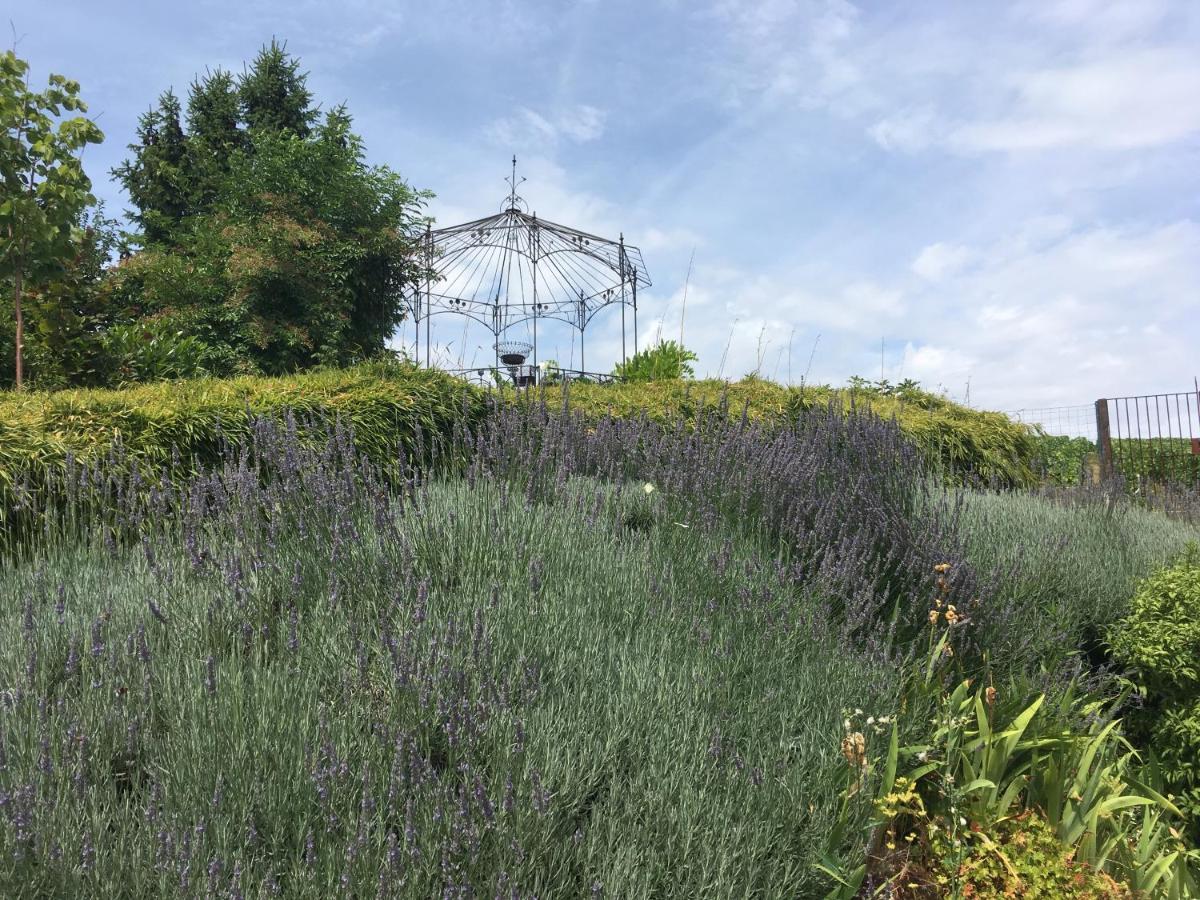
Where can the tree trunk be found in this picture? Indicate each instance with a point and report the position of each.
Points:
(20, 328)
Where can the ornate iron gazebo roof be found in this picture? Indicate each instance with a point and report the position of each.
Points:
(514, 269)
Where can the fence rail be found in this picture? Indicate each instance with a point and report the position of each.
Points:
(529, 376)
(1152, 438)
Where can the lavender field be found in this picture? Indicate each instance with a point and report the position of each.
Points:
(546, 657)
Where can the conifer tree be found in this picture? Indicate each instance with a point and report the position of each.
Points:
(274, 94)
(214, 134)
(156, 178)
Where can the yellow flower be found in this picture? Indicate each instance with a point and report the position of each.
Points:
(990, 695)
(933, 617)
(942, 567)
(648, 488)
(951, 614)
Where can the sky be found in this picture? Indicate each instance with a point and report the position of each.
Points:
(1000, 200)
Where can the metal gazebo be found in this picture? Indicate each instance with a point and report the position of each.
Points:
(513, 270)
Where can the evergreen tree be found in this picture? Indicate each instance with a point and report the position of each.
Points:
(214, 134)
(291, 251)
(156, 178)
(274, 95)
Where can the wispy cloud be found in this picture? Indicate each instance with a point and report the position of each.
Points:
(529, 129)
(1006, 192)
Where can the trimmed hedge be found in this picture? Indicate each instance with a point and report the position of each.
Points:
(384, 403)
(963, 442)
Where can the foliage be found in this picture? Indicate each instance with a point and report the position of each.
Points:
(664, 361)
(1019, 857)
(156, 179)
(43, 188)
(1063, 460)
(290, 679)
(273, 93)
(66, 315)
(267, 236)
(1156, 460)
(152, 351)
(1064, 567)
(173, 176)
(657, 635)
(963, 442)
(1159, 644)
(44, 434)
(944, 807)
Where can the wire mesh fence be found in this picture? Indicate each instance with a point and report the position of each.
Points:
(1063, 421)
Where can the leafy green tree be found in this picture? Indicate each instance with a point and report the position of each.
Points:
(266, 234)
(298, 263)
(43, 188)
(67, 315)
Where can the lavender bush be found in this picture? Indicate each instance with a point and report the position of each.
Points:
(541, 657)
(291, 676)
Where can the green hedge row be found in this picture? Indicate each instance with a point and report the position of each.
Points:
(384, 403)
(962, 441)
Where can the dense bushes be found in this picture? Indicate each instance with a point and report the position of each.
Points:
(666, 359)
(945, 807)
(1063, 460)
(599, 656)
(962, 441)
(1066, 568)
(1159, 642)
(530, 679)
(150, 425)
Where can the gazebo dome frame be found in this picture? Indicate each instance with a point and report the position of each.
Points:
(514, 268)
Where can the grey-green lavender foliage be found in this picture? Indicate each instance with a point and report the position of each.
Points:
(289, 678)
(510, 669)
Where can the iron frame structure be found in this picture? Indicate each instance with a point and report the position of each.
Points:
(513, 269)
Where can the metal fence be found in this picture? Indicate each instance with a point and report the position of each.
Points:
(529, 376)
(1066, 421)
(1153, 438)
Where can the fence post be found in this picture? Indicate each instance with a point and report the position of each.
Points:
(1104, 440)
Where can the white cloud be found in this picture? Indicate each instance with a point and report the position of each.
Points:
(1100, 311)
(667, 239)
(529, 129)
(1101, 19)
(909, 131)
(1138, 99)
(939, 260)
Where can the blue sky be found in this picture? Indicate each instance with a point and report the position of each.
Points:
(1005, 193)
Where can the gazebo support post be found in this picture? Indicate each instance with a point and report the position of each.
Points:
(633, 283)
(621, 266)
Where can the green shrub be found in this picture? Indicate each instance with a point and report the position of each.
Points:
(1066, 568)
(665, 360)
(1159, 642)
(1062, 460)
(1019, 857)
(385, 404)
(153, 351)
(943, 808)
(961, 441)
